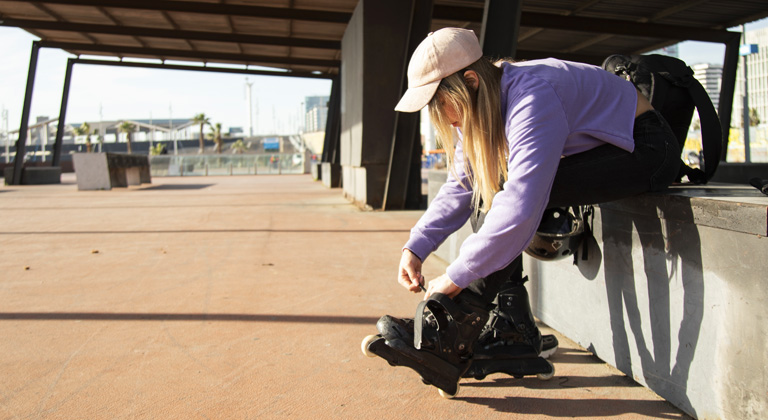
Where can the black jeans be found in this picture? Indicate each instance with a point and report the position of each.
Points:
(599, 175)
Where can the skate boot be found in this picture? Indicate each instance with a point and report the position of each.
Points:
(437, 343)
(511, 342)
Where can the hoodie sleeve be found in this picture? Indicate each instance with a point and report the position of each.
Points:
(447, 213)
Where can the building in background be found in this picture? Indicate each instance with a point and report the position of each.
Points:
(757, 79)
(315, 113)
(710, 76)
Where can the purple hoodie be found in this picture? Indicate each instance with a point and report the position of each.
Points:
(552, 108)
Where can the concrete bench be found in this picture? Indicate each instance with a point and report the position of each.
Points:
(674, 293)
(104, 171)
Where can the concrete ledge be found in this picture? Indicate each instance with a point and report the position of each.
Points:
(732, 207)
(35, 175)
(331, 175)
(674, 293)
(740, 173)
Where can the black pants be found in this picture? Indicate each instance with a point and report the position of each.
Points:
(599, 175)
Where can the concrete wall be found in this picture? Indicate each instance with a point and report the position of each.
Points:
(372, 60)
(674, 294)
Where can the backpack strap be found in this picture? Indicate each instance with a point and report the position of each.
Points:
(711, 131)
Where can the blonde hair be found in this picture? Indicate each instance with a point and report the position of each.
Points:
(484, 141)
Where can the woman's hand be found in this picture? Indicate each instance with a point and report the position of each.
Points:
(409, 275)
(444, 285)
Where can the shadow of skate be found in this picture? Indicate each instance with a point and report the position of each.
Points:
(558, 382)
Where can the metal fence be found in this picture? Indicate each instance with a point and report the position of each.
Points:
(210, 165)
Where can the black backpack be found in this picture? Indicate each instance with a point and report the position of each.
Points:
(669, 85)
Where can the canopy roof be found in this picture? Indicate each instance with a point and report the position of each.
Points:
(304, 36)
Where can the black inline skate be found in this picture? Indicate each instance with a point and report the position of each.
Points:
(437, 343)
(511, 342)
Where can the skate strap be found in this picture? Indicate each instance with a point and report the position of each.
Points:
(418, 321)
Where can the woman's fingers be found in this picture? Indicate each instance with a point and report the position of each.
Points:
(410, 272)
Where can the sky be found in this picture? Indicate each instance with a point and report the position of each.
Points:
(140, 93)
(111, 93)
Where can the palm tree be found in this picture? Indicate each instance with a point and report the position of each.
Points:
(203, 121)
(157, 149)
(216, 135)
(84, 130)
(127, 128)
(239, 147)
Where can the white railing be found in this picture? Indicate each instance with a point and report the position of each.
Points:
(212, 165)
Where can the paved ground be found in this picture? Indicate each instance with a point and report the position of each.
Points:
(234, 298)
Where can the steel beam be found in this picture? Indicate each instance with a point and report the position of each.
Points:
(501, 25)
(725, 107)
(209, 69)
(465, 14)
(211, 9)
(62, 114)
(471, 14)
(332, 139)
(21, 143)
(136, 31)
(594, 25)
(201, 55)
(403, 184)
(623, 27)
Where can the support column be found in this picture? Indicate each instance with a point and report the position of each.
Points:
(374, 52)
(62, 114)
(21, 143)
(403, 185)
(725, 107)
(330, 170)
(501, 25)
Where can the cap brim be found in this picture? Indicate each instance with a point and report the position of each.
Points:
(416, 98)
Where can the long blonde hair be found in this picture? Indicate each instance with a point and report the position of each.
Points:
(484, 141)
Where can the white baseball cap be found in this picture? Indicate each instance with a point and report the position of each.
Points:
(439, 55)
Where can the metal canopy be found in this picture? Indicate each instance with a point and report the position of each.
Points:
(304, 36)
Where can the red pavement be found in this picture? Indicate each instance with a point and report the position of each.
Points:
(235, 298)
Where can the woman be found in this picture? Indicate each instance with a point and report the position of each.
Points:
(531, 135)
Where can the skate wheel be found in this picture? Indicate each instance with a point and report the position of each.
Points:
(366, 342)
(447, 395)
(547, 376)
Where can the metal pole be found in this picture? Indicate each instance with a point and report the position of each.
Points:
(151, 133)
(6, 136)
(725, 107)
(21, 143)
(102, 135)
(250, 107)
(745, 102)
(43, 140)
(170, 130)
(62, 115)
(403, 171)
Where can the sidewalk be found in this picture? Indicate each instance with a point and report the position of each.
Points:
(235, 298)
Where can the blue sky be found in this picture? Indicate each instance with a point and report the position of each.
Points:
(136, 93)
